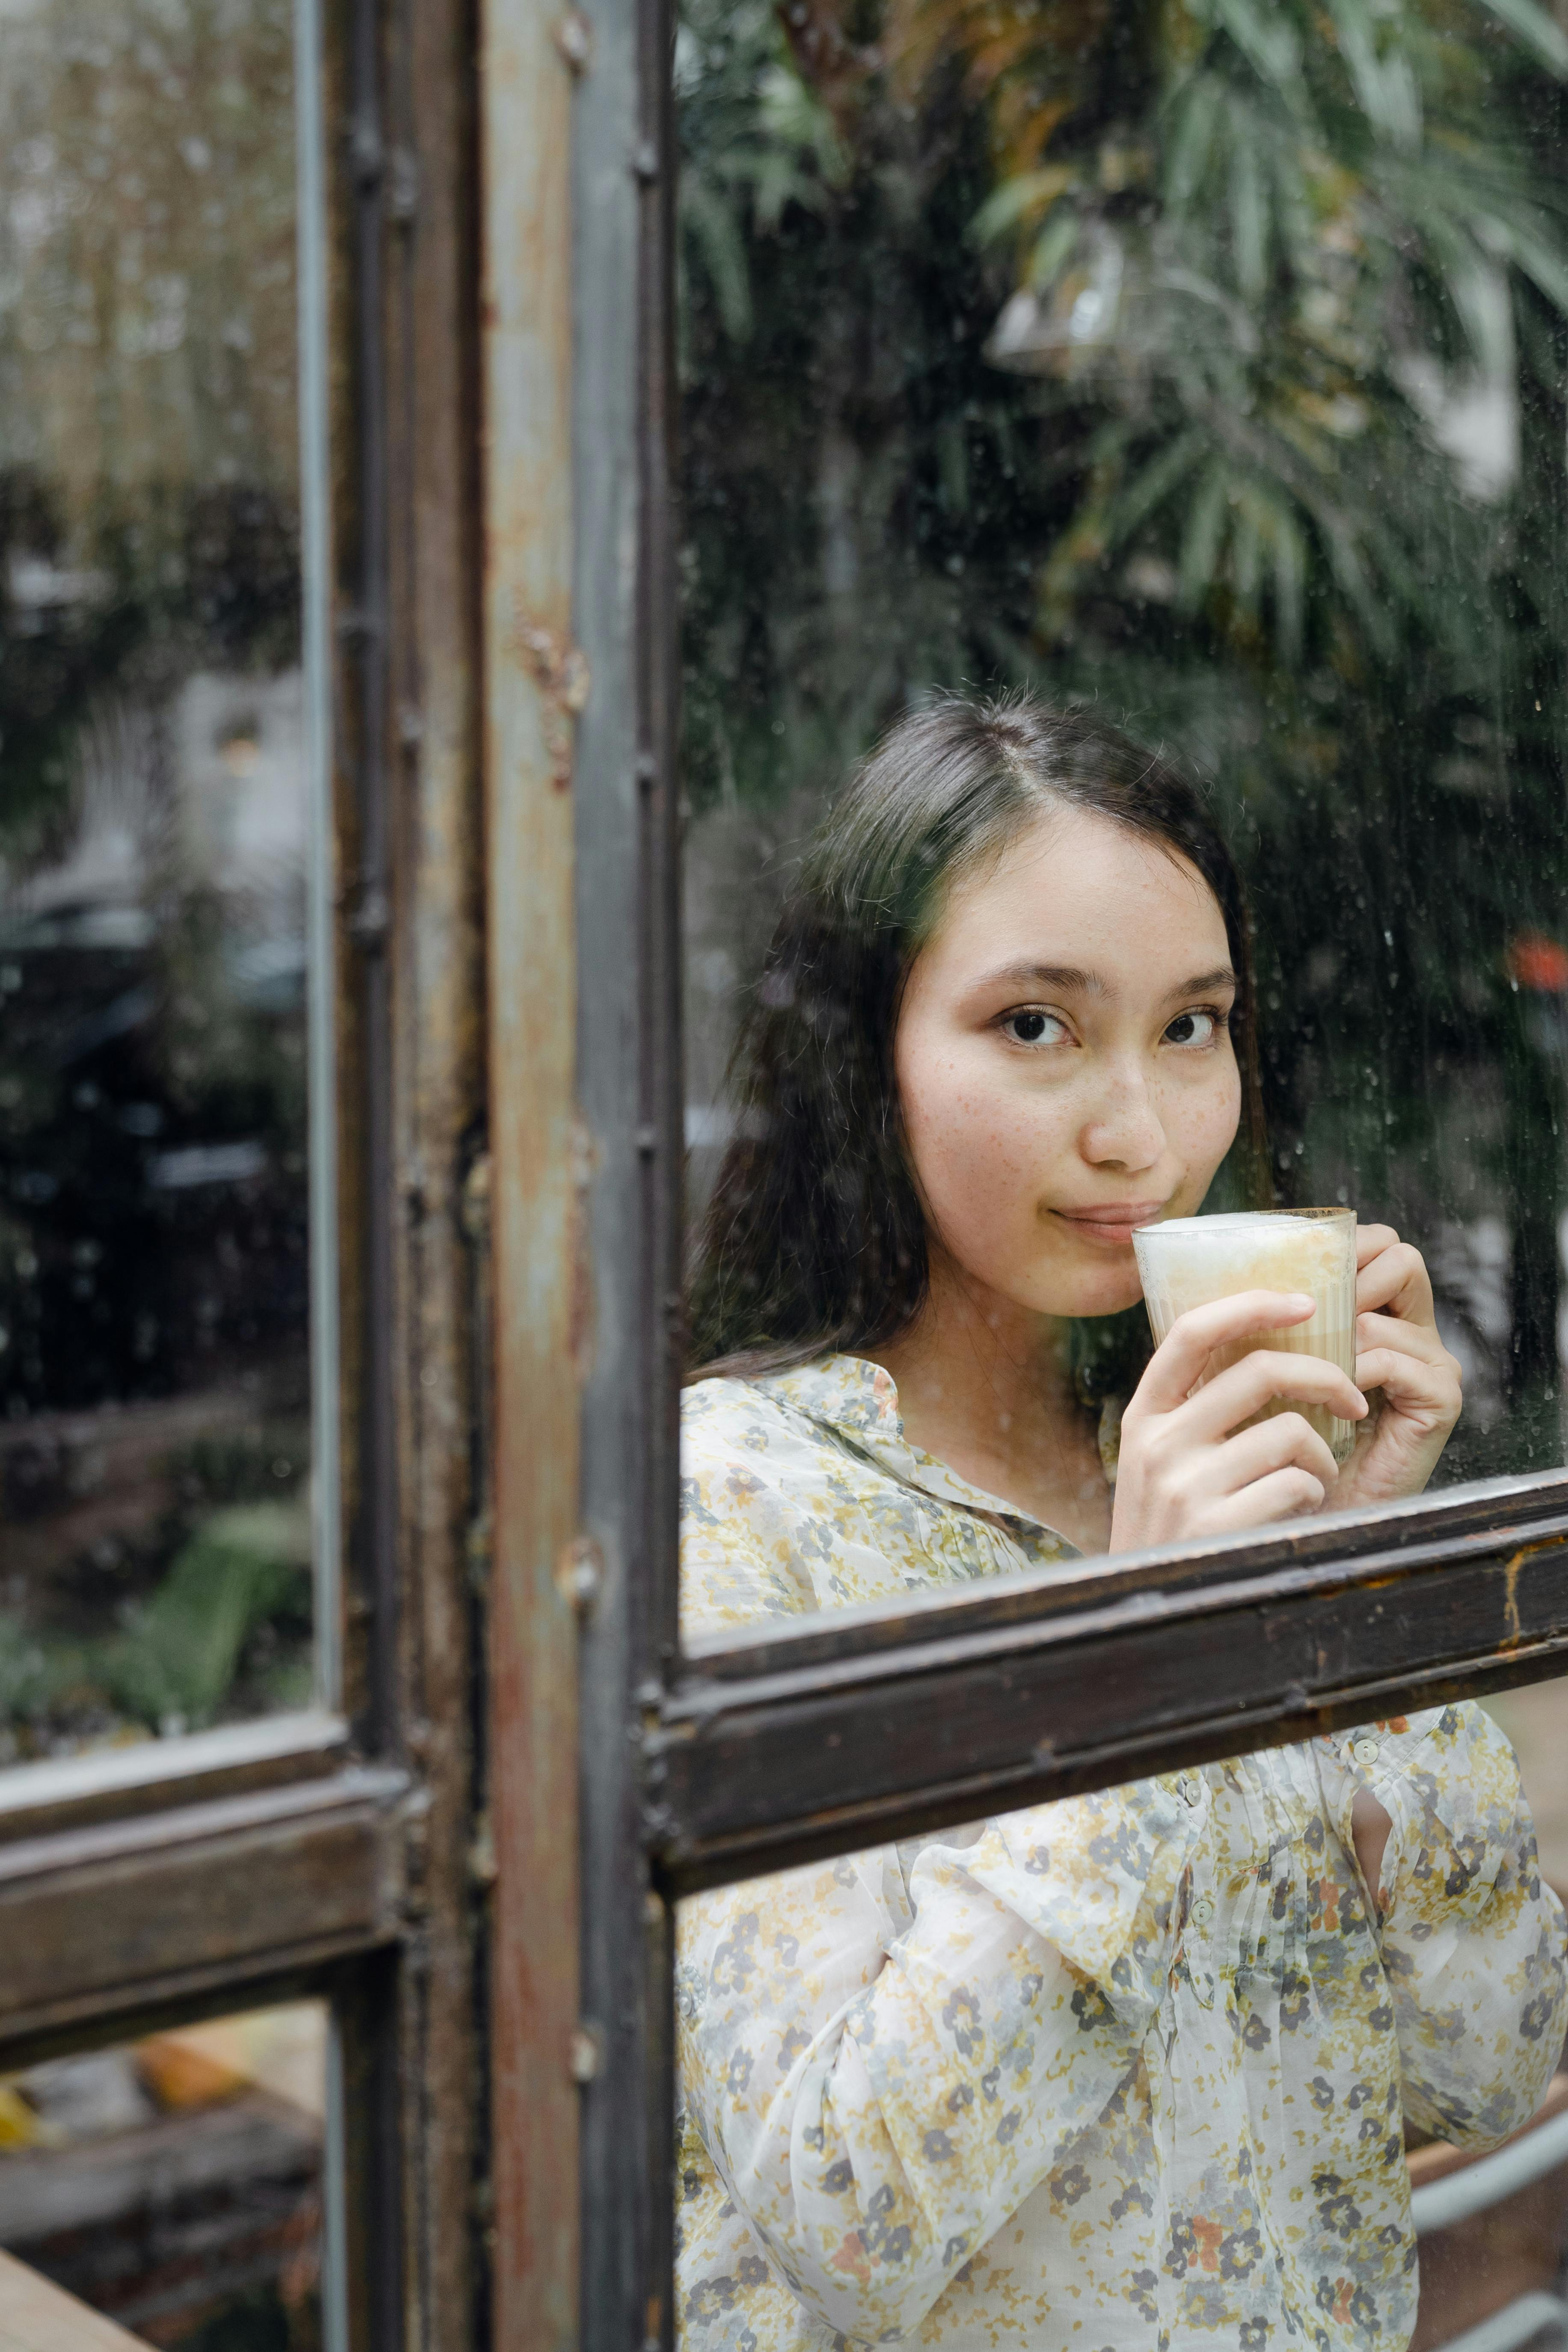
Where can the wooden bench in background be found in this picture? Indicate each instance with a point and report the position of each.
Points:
(1491, 2273)
(37, 2317)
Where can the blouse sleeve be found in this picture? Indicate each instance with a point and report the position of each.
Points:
(881, 2080)
(743, 1549)
(1473, 1941)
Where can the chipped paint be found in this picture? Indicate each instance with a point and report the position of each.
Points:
(561, 672)
(534, 685)
(1511, 1635)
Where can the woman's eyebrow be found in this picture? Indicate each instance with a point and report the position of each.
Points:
(1071, 979)
(1202, 983)
(1068, 977)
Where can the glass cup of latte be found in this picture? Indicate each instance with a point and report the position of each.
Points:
(1188, 1260)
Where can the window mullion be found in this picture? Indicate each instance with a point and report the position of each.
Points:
(111, 1918)
(155, 1775)
(943, 1712)
(629, 1100)
(531, 687)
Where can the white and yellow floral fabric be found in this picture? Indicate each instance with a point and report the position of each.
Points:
(1124, 2072)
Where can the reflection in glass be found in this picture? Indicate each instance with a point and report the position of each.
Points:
(1215, 379)
(175, 2184)
(1500, 2246)
(155, 1391)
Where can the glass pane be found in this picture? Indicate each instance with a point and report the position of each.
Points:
(175, 2184)
(1210, 385)
(1138, 435)
(939, 2085)
(155, 822)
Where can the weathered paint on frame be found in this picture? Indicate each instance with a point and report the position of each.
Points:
(526, 311)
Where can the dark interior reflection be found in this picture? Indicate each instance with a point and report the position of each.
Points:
(154, 1440)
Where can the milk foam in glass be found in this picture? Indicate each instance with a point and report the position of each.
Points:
(1188, 1260)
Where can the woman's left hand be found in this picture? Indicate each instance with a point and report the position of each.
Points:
(1399, 1353)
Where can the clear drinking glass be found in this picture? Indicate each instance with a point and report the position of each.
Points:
(1188, 1260)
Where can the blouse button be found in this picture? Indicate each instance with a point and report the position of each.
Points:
(1202, 1911)
(1365, 1749)
(1190, 1788)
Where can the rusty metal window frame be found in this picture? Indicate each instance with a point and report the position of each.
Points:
(702, 1767)
(815, 1740)
(315, 568)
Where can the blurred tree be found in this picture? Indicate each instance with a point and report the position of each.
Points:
(148, 417)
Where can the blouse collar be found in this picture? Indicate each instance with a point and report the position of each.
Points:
(857, 1402)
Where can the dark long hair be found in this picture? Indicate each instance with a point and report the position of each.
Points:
(814, 1239)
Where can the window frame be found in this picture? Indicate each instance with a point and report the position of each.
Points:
(697, 1768)
(341, 1853)
(478, 1855)
(931, 1712)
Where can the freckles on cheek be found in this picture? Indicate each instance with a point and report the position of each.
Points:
(974, 1161)
(1205, 1130)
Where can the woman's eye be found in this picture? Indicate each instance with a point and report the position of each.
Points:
(1193, 1029)
(1033, 1028)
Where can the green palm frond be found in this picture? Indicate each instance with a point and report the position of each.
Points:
(1540, 32)
(1335, 208)
(758, 142)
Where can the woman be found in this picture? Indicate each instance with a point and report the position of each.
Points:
(1129, 2070)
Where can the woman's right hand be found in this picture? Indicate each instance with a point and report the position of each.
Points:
(1186, 1469)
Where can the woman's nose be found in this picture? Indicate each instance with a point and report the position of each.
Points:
(1124, 1128)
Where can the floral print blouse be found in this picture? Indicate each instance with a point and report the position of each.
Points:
(1127, 2070)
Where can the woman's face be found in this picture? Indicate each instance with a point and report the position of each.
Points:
(1064, 1064)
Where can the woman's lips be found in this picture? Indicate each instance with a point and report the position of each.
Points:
(1113, 1222)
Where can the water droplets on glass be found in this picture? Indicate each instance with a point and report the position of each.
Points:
(154, 840)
